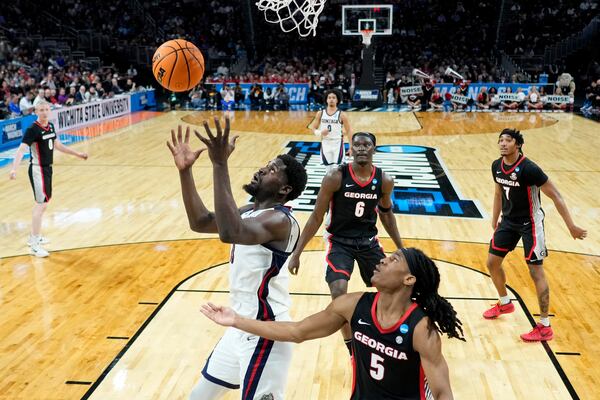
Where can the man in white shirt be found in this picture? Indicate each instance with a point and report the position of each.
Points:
(25, 104)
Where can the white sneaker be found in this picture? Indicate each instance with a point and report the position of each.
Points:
(38, 251)
(41, 240)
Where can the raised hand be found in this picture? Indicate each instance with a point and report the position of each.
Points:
(224, 316)
(183, 155)
(220, 146)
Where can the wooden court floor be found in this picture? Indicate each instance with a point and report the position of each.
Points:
(113, 312)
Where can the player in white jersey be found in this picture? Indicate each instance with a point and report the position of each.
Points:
(331, 124)
(263, 235)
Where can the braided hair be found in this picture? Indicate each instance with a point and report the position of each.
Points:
(442, 315)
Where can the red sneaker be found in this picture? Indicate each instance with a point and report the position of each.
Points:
(498, 310)
(540, 333)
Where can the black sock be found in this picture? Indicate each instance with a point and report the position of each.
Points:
(348, 344)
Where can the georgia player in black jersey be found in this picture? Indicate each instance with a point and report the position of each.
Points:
(40, 139)
(518, 185)
(396, 346)
(354, 194)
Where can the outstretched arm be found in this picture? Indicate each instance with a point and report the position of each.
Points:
(386, 212)
(551, 191)
(321, 324)
(18, 157)
(267, 227)
(330, 184)
(67, 150)
(429, 345)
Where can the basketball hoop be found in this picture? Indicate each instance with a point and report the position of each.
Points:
(367, 35)
(302, 15)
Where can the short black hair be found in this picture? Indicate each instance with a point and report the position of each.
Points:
(367, 134)
(337, 93)
(296, 175)
(515, 134)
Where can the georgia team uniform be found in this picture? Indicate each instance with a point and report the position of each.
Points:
(332, 145)
(41, 149)
(351, 231)
(522, 214)
(385, 364)
(258, 289)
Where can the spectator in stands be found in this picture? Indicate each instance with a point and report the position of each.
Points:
(115, 88)
(256, 97)
(198, 97)
(39, 97)
(483, 99)
(238, 93)
(510, 104)
(13, 106)
(25, 104)
(282, 99)
(227, 98)
(49, 97)
(93, 94)
(534, 102)
(62, 96)
(269, 98)
(223, 70)
(436, 102)
(590, 95)
(314, 92)
(427, 93)
(71, 96)
(82, 95)
(132, 72)
(130, 85)
(100, 90)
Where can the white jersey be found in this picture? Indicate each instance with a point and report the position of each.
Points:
(257, 277)
(333, 123)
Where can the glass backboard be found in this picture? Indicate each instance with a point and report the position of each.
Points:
(376, 17)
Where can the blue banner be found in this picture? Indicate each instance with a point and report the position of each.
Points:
(12, 131)
(298, 92)
(142, 100)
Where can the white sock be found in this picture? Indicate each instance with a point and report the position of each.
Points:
(504, 300)
(545, 321)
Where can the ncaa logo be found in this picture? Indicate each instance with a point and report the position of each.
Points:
(403, 328)
(513, 176)
(399, 339)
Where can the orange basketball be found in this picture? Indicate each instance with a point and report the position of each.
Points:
(178, 65)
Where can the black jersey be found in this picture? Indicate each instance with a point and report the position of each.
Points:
(520, 187)
(353, 208)
(386, 366)
(41, 143)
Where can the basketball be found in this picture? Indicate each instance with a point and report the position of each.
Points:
(178, 65)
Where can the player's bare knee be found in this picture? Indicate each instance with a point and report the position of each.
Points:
(338, 288)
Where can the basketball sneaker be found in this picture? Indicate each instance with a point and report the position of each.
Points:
(539, 333)
(40, 239)
(38, 251)
(498, 310)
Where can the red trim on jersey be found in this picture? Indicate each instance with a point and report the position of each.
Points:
(355, 179)
(46, 128)
(421, 382)
(341, 271)
(353, 374)
(255, 367)
(397, 324)
(494, 244)
(532, 223)
(261, 290)
(519, 161)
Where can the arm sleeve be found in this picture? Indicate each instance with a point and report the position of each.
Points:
(535, 175)
(29, 137)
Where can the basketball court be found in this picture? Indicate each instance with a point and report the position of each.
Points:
(113, 312)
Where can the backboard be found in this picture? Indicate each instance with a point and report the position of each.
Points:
(376, 17)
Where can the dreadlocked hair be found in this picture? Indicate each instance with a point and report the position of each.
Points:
(442, 315)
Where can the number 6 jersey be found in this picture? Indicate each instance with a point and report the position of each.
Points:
(385, 364)
(353, 208)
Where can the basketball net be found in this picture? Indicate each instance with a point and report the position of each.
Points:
(302, 15)
(366, 34)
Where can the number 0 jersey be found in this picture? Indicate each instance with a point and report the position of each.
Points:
(40, 140)
(353, 208)
(333, 123)
(386, 366)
